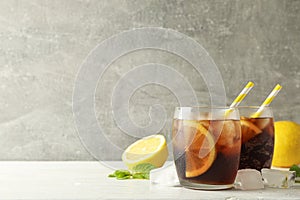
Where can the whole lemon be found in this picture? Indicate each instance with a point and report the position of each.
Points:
(287, 144)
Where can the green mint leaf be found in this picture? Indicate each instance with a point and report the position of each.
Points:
(147, 176)
(142, 171)
(111, 175)
(143, 168)
(139, 176)
(122, 173)
(296, 168)
(124, 177)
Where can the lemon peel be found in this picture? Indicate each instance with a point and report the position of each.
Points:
(287, 144)
(152, 149)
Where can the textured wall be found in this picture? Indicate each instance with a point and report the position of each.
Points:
(43, 43)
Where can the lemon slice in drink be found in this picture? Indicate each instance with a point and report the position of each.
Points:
(249, 130)
(152, 149)
(201, 152)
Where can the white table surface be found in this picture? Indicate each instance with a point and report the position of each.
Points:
(88, 180)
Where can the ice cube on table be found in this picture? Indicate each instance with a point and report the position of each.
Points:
(248, 179)
(278, 178)
(164, 176)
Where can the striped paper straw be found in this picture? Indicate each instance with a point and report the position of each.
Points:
(268, 100)
(240, 97)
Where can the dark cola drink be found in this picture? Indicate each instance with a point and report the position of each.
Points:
(206, 152)
(257, 143)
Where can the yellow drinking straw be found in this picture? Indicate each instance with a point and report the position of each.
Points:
(240, 97)
(268, 100)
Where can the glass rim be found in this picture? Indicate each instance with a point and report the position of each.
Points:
(254, 107)
(210, 107)
(221, 107)
(197, 112)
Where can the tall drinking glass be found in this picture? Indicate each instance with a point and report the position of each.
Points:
(206, 146)
(257, 138)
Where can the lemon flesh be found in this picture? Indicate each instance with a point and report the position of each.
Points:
(287, 144)
(200, 154)
(152, 149)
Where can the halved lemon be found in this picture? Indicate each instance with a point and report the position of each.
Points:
(152, 149)
(287, 144)
(249, 130)
(201, 152)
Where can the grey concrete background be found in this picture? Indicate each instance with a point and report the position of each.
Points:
(43, 43)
